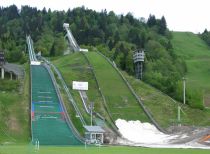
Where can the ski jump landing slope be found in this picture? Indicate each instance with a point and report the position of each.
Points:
(48, 120)
(119, 99)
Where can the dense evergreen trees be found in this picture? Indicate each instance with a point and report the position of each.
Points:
(116, 36)
(206, 36)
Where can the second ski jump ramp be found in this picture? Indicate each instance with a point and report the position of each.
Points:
(49, 124)
(49, 121)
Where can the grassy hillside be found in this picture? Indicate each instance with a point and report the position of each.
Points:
(74, 67)
(164, 109)
(197, 57)
(120, 101)
(14, 112)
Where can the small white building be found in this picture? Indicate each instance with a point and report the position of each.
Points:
(94, 134)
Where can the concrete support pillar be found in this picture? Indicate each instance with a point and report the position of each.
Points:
(10, 75)
(2, 73)
(102, 138)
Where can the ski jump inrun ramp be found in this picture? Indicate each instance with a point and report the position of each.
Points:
(49, 124)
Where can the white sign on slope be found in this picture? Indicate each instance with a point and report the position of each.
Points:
(35, 63)
(77, 85)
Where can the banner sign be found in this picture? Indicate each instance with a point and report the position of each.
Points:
(77, 85)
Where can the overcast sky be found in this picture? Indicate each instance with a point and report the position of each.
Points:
(181, 15)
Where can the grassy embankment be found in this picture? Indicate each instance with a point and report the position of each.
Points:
(197, 57)
(119, 100)
(14, 111)
(164, 109)
(74, 67)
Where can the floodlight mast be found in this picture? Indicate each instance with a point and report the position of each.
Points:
(179, 116)
(184, 90)
(91, 113)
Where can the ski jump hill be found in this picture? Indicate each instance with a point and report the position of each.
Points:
(113, 95)
(49, 124)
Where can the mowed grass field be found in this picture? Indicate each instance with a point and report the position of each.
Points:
(197, 57)
(14, 112)
(29, 149)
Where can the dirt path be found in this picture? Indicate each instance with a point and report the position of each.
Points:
(187, 134)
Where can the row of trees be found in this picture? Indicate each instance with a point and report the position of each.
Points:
(116, 36)
(206, 36)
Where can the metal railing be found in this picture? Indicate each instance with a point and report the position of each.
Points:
(31, 58)
(84, 98)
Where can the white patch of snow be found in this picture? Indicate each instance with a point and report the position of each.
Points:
(138, 132)
(147, 135)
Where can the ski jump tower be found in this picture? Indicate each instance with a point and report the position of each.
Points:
(138, 58)
(71, 40)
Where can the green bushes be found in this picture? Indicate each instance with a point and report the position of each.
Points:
(9, 85)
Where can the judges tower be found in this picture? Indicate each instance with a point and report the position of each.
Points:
(138, 58)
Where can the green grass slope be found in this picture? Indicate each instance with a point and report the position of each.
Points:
(14, 112)
(197, 57)
(164, 109)
(75, 67)
(119, 99)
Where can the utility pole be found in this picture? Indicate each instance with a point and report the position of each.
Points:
(184, 89)
(91, 113)
(179, 116)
